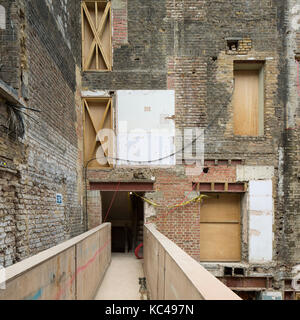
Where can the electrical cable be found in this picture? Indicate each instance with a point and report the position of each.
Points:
(150, 161)
(112, 201)
(172, 154)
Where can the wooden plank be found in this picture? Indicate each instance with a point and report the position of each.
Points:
(220, 242)
(98, 113)
(96, 14)
(88, 39)
(97, 49)
(110, 46)
(221, 207)
(84, 134)
(106, 38)
(246, 102)
(89, 138)
(100, 30)
(96, 36)
(220, 238)
(100, 127)
(90, 115)
(83, 38)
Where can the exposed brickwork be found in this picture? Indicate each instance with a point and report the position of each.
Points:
(45, 162)
(187, 76)
(291, 221)
(139, 63)
(120, 23)
(9, 45)
(176, 44)
(243, 47)
(94, 209)
(11, 156)
(182, 45)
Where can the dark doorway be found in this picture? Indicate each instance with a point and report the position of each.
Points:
(126, 215)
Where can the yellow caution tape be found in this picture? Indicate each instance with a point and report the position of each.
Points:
(196, 199)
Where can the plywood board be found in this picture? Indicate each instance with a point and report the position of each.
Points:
(221, 208)
(96, 36)
(98, 116)
(220, 231)
(246, 102)
(220, 242)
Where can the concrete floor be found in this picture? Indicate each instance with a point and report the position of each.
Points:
(121, 281)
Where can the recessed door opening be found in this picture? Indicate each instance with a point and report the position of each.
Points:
(220, 228)
(127, 218)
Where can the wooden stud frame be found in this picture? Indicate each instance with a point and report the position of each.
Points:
(97, 115)
(96, 36)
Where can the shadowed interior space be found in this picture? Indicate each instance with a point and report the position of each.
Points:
(125, 211)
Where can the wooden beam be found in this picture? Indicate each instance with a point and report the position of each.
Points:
(101, 126)
(83, 37)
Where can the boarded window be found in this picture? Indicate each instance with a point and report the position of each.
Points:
(98, 115)
(220, 230)
(248, 99)
(96, 36)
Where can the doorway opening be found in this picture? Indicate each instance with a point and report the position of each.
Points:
(127, 218)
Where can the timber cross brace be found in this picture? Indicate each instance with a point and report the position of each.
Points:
(96, 36)
(98, 115)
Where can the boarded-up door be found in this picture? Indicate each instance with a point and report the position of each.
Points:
(98, 115)
(246, 102)
(220, 232)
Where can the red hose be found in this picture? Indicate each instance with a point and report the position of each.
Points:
(136, 252)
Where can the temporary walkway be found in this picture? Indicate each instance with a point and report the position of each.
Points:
(84, 268)
(121, 281)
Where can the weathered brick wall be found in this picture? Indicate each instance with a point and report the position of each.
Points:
(120, 23)
(172, 187)
(47, 161)
(94, 209)
(182, 45)
(140, 62)
(11, 156)
(291, 248)
(9, 44)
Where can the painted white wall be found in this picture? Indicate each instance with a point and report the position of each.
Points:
(2, 18)
(260, 221)
(144, 132)
(248, 173)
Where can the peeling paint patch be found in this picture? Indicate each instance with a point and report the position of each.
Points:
(2, 18)
(94, 93)
(255, 233)
(260, 221)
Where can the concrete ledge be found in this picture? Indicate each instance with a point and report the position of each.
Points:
(173, 275)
